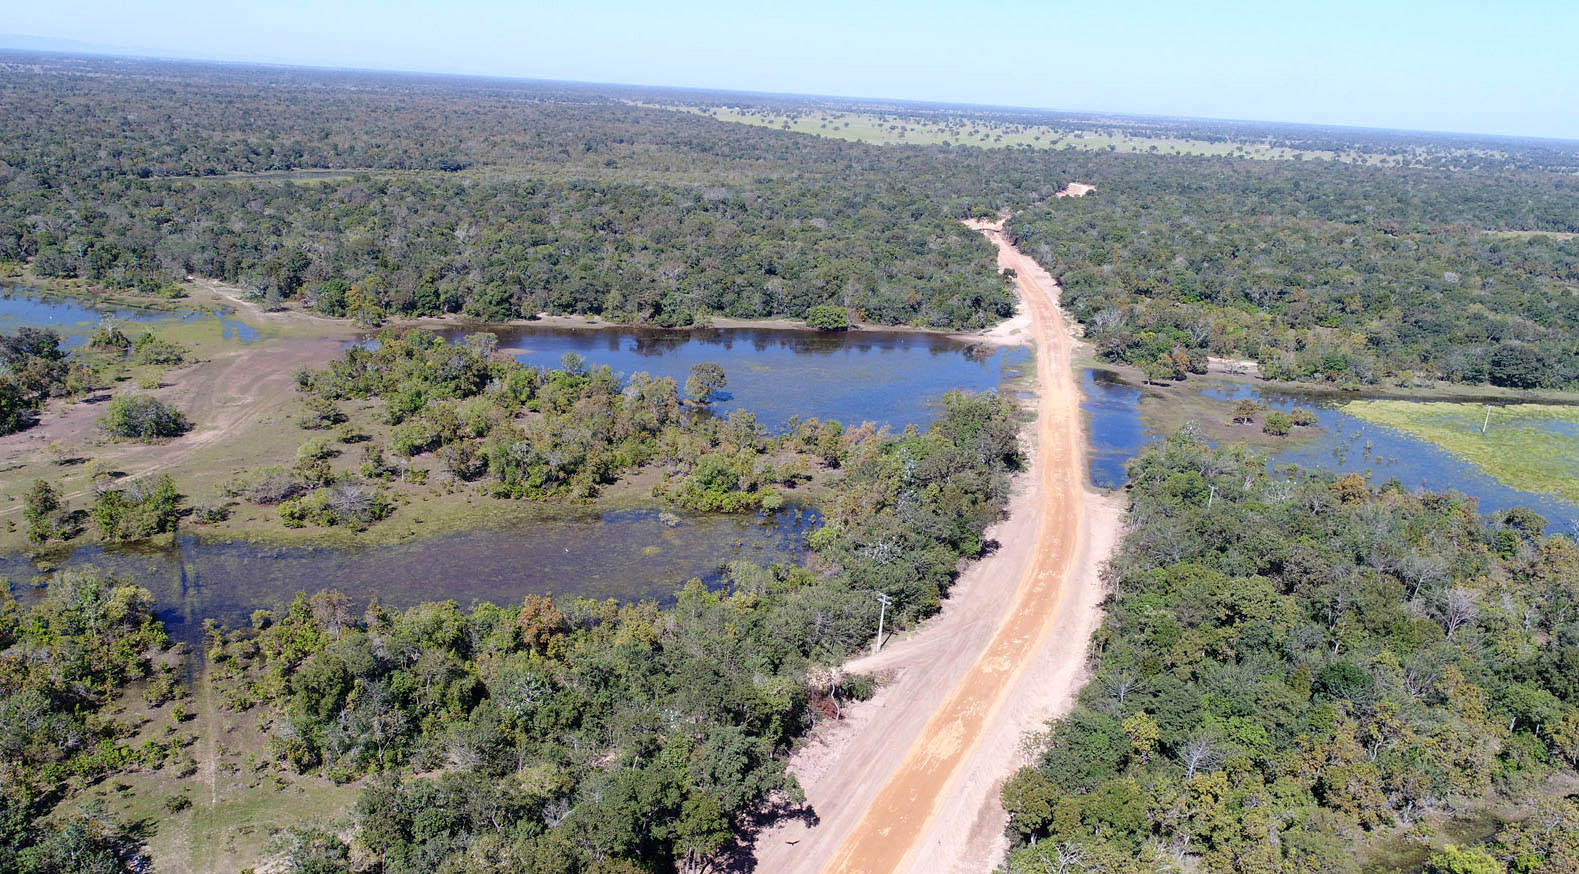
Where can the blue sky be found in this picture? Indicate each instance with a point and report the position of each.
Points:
(1508, 67)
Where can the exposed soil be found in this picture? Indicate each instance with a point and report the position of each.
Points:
(227, 397)
(909, 780)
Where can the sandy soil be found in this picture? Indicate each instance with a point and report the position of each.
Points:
(1076, 189)
(1234, 366)
(909, 780)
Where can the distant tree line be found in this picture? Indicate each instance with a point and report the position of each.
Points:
(1351, 275)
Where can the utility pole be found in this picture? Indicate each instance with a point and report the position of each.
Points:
(882, 613)
(1485, 424)
(1210, 498)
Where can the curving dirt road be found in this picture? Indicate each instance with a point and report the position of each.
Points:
(909, 781)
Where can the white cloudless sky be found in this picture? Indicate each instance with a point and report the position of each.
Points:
(1455, 65)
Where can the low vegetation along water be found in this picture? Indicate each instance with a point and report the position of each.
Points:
(891, 378)
(75, 321)
(628, 555)
(1343, 443)
(888, 377)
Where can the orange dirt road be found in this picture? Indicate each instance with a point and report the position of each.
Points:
(888, 835)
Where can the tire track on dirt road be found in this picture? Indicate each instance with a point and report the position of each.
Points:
(883, 784)
(890, 831)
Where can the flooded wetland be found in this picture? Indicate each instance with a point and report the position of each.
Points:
(891, 378)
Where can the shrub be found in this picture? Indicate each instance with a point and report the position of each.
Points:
(210, 512)
(706, 379)
(148, 349)
(272, 485)
(354, 504)
(1277, 423)
(320, 412)
(828, 317)
(141, 417)
(140, 510)
(13, 407)
(1515, 365)
(109, 337)
(316, 449)
(414, 438)
(38, 508)
(331, 297)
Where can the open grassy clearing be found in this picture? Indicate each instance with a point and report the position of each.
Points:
(1533, 235)
(236, 799)
(888, 130)
(1534, 447)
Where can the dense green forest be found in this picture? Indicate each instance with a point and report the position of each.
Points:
(1349, 275)
(1296, 669)
(497, 200)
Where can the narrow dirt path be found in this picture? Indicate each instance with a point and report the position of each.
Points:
(210, 743)
(909, 781)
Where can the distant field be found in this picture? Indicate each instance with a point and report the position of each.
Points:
(1534, 447)
(1528, 235)
(888, 130)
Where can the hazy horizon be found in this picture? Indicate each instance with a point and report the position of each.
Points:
(1446, 67)
(88, 50)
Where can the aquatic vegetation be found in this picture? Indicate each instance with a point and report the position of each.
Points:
(604, 731)
(1534, 447)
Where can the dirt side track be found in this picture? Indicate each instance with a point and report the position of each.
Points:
(909, 781)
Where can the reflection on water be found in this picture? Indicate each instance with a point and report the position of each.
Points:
(1346, 444)
(1113, 419)
(892, 378)
(76, 320)
(628, 555)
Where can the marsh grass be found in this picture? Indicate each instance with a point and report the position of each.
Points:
(1533, 447)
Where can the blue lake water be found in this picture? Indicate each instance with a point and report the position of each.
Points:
(1113, 422)
(891, 378)
(1346, 444)
(76, 320)
(628, 555)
